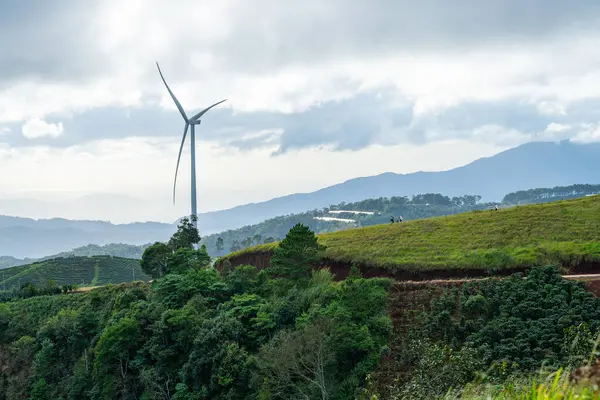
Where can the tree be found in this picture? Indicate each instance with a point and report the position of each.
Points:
(269, 239)
(115, 352)
(298, 364)
(40, 391)
(155, 260)
(186, 236)
(187, 259)
(219, 244)
(257, 238)
(296, 253)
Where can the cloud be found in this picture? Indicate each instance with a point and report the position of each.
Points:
(588, 133)
(313, 79)
(554, 127)
(37, 128)
(289, 57)
(54, 47)
(550, 108)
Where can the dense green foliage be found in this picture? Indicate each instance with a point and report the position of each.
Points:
(178, 254)
(503, 327)
(196, 334)
(566, 233)
(297, 253)
(30, 290)
(542, 195)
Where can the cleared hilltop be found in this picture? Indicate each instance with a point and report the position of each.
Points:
(563, 232)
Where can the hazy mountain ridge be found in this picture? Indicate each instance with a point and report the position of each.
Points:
(531, 165)
(24, 237)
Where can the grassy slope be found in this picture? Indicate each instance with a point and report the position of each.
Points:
(565, 232)
(98, 269)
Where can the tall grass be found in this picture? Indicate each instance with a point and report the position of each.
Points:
(557, 386)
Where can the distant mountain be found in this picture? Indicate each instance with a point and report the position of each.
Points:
(25, 237)
(532, 165)
(9, 261)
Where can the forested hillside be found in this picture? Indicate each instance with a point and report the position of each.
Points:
(196, 334)
(291, 332)
(505, 339)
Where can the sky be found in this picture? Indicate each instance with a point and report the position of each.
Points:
(317, 92)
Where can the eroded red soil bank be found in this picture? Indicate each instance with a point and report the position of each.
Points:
(342, 269)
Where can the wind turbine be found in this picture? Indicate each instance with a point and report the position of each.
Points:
(195, 120)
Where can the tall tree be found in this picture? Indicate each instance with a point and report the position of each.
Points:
(298, 364)
(155, 260)
(186, 236)
(297, 252)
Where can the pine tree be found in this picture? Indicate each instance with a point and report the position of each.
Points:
(296, 253)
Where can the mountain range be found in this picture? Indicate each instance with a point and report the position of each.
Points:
(532, 165)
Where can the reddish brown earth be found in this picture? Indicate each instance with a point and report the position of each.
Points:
(341, 269)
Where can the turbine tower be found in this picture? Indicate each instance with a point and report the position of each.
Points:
(195, 120)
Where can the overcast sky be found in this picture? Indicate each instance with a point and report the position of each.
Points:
(318, 92)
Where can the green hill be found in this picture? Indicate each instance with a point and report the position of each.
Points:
(343, 216)
(563, 232)
(96, 270)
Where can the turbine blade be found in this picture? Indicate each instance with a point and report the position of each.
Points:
(201, 113)
(179, 158)
(177, 103)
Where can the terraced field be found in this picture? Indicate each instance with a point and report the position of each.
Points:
(562, 232)
(96, 270)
